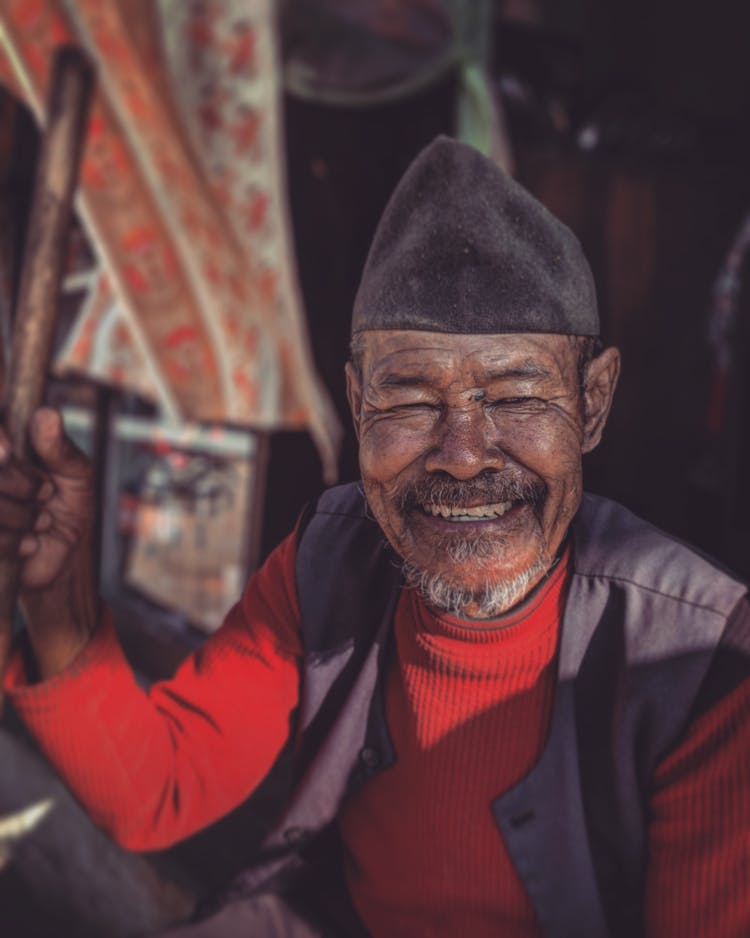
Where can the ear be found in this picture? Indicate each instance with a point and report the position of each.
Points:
(354, 394)
(599, 389)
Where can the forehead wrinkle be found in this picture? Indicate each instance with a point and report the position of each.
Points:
(443, 363)
(397, 371)
(540, 365)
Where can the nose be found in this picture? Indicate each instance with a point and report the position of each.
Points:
(465, 447)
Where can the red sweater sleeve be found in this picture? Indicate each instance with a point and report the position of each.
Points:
(153, 767)
(698, 876)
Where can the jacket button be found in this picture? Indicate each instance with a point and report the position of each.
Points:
(370, 757)
(295, 835)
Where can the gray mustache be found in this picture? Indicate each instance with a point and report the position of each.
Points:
(488, 488)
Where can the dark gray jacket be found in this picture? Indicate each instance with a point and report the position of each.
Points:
(644, 619)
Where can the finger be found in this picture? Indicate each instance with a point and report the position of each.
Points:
(57, 452)
(28, 546)
(43, 522)
(46, 491)
(18, 482)
(17, 515)
(18, 479)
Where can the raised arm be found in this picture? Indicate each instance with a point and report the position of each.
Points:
(47, 516)
(151, 766)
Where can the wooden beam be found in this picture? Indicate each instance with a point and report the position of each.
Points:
(44, 256)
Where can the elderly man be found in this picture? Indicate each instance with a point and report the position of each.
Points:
(513, 709)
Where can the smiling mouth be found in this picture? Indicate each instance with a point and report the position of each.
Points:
(461, 513)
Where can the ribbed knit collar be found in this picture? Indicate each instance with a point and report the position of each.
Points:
(526, 636)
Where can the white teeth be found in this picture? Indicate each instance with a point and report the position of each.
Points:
(468, 514)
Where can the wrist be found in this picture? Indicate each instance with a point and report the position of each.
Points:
(60, 618)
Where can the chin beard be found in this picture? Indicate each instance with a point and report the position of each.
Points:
(491, 600)
(489, 487)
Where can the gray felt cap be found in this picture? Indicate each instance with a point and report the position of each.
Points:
(461, 247)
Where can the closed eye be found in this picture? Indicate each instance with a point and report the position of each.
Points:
(413, 404)
(512, 401)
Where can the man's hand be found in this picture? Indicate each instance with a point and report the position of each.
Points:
(46, 518)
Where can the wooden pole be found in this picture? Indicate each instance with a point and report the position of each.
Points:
(71, 85)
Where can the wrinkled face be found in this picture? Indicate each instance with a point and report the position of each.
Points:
(470, 452)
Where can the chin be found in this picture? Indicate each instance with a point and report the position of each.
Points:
(478, 588)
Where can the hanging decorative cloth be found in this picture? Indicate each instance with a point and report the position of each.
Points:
(364, 53)
(195, 302)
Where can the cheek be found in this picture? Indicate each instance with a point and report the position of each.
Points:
(561, 470)
(552, 451)
(386, 449)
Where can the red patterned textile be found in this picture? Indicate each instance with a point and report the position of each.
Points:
(195, 302)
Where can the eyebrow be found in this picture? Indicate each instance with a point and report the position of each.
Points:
(395, 380)
(526, 370)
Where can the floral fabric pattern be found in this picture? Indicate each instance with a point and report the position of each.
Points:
(195, 303)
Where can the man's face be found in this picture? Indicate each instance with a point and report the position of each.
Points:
(470, 452)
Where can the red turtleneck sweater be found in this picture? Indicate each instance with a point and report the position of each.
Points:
(468, 710)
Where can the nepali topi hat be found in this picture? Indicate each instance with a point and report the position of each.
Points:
(462, 247)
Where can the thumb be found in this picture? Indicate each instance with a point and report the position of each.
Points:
(59, 455)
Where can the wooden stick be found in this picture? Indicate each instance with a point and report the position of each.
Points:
(71, 84)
